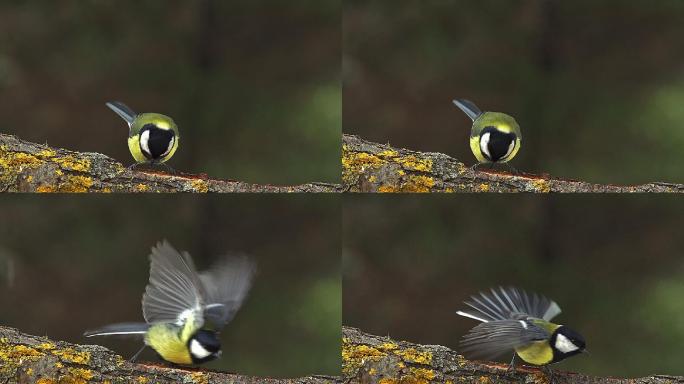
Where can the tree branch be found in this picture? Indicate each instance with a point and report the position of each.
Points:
(373, 167)
(32, 359)
(372, 359)
(30, 167)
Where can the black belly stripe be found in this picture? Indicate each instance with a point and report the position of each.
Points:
(158, 141)
(499, 142)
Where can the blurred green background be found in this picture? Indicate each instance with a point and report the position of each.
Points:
(254, 85)
(614, 265)
(82, 262)
(585, 79)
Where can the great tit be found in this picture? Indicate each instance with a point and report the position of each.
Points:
(495, 137)
(179, 302)
(152, 137)
(516, 321)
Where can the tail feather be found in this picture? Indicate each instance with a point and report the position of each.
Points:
(119, 329)
(509, 303)
(122, 110)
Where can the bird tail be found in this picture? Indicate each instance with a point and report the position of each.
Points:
(122, 110)
(468, 107)
(119, 329)
(509, 303)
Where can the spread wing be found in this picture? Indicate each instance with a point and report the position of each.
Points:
(468, 107)
(226, 285)
(509, 303)
(174, 291)
(495, 338)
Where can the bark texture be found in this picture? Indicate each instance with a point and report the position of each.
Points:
(32, 359)
(373, 167)
(30, 167)
(373, 359)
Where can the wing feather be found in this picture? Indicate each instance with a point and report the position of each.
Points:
(226, 285)
(509, 303)
(495, 338)
(174, 290)
(122, 110)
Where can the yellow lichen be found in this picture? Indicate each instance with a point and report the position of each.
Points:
(412, 355)
(388, 153)
(78, 184)
(143, 380)
(422, 374)
(541, 185)
(140, 187)
(200, 186)
(354, 356)
(199, 378)
(421, 184)
(73, 163)
(484, 187)
(356, 163)
(388, 346)
(415, 164)
(77, 376)
(71, 355)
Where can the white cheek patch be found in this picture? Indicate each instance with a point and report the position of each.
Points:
(524, 324)
(564, 345)
(168, 149)
(144, 142)
(510, 149)
(484, 143)
(197, 350)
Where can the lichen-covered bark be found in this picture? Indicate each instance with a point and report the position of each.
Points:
(373, 359)
(373, 167)
(30, 167)
(32, 359)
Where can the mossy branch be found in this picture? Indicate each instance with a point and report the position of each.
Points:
(32, 359)
(30, 167)
(373, 359)
(373, 167)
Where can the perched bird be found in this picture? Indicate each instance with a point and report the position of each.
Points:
(152, 137)
(516, 321)
(179, 303)
(495, 137)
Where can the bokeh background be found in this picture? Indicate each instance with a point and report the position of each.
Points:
(597, 86)
(614, 265)
(71, 264)
(254, 85)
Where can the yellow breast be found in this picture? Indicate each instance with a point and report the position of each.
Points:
(536, 353)
(166, 340)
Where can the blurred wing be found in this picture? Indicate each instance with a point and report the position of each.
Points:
(122, 110)
(226, 285)
(174, 291)
(468, 107)
(493, 339)
(509, 303)
(119, 329)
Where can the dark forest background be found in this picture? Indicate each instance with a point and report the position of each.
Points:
(597, 86)
(68, 264)
(613, 264)
(254, 85)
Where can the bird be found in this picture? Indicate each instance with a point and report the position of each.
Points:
(184, 310)
(153, 138)
(494, 137)
(514, 320)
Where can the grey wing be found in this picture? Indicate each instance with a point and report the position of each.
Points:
(468, 107)
(119, 329)
(122, 110)
(174, 290)
(493, 339)
(226, 285)
(509, 303)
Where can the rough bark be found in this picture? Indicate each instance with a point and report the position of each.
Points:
(32, 359)
(373, 167)
(30, 167)
(373, 359)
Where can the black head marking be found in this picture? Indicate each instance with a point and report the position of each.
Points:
(209, 341)
(575, 338)
(499, 143)
(158, 141)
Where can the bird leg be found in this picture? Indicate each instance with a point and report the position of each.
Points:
(549, 373)
(511, 368)
(132, 359)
